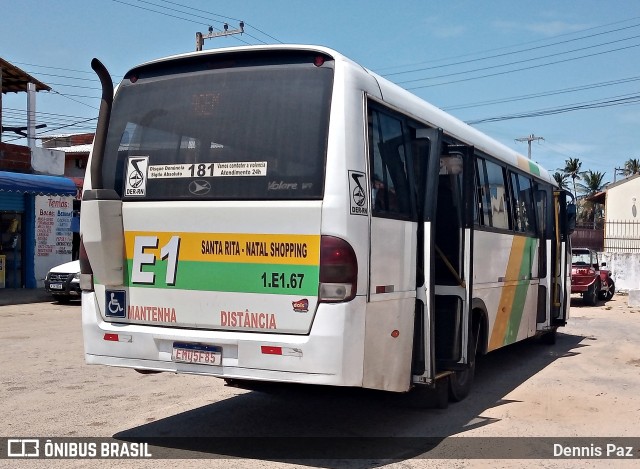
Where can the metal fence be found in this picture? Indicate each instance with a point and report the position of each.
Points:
(586, 236)
(622, 236)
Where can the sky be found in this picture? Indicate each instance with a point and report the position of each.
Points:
(565, 71)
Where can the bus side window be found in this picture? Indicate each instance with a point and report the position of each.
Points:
(498, 196)
(483, 201)
(523, 204)
(390, 185)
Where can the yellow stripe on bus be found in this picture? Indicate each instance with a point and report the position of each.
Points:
(235, 247)
(508, 293)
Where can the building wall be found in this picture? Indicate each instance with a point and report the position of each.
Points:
(76, 164)
(623, 201)
(622, 225)
(625, 269)
(46, 161)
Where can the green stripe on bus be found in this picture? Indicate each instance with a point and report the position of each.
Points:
(534, 168)
(275, 279)
(520, 295)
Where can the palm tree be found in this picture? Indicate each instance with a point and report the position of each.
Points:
(572, 169)
(561, 179)
(593, 183)
(632, 166)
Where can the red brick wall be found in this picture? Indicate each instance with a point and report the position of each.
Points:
(15, 158)
(81, 139)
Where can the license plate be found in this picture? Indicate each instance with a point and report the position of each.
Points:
(196, 353)
(55, 286)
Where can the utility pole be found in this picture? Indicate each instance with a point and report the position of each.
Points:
(227, 32)
(529, 139)
(621, 171)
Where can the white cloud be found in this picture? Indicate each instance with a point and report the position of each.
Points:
(544, 28)
(572, 148)
(448, 31)
(629, 117)
(554, 28)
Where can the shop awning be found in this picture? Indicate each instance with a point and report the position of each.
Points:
(15, 79)
(36, 184)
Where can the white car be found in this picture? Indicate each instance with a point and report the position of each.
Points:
(63, 281)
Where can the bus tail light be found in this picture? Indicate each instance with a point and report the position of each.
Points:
(338, 270)
(86, 272)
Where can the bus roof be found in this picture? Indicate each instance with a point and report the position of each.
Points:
(400, 98)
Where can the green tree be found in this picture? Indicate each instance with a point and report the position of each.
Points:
(561, 179)
(593, 183)
(572, 169)
(632, 166)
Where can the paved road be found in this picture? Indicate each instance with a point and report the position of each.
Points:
(586, 385)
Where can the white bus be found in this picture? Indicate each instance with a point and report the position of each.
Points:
(280, 213)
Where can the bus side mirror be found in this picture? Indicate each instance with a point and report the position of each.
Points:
(571, 218)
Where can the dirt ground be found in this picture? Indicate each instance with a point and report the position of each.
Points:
(586, 385)
(592, 389)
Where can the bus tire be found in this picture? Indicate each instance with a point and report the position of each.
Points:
(460, 382)
(441, 393)
(147, 372)
(62, 299)
(549, 338)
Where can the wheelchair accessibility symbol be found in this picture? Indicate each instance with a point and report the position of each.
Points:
(116, 303)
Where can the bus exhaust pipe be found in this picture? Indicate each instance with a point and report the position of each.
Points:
(101, 222)
(104, 115)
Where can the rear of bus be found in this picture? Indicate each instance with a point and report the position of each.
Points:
(214, 242)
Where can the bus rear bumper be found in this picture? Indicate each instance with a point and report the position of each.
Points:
(325, 356)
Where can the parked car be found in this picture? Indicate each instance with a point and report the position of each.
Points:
(63, 281)
(590, 278)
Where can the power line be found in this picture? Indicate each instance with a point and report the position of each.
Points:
(542, 94)
(607, 102)
(195, 16)
(224, 17)
(76, 86)
(570, 59)
(40, 134)
(75, 100)
(208, 18)
(471, 54)
(517, 51)
(64, 76)
(16, 111)
(155, 11)
(69, 125)
(168, 14)
(53, 68)
(520, 61)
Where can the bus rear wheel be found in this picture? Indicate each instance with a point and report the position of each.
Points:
(460, 382)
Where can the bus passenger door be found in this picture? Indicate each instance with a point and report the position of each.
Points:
(564, 213)
(426, 163)
(451, 256)
(393, 252)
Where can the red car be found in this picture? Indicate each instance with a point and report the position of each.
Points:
(590, 278)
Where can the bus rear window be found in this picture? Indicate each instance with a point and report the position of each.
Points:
(248, 129)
